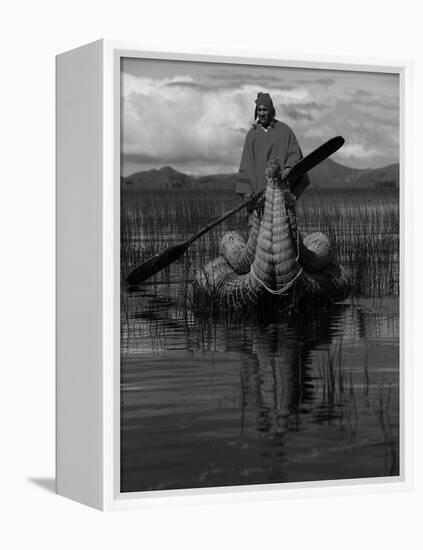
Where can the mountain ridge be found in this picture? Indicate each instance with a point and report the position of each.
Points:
(326, 175)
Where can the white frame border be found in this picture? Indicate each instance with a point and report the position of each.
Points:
(113, 51)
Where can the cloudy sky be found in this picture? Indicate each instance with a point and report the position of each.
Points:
(194, 116)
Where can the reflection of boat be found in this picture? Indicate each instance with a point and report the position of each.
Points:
(274, 356)
(275, 261)
(276, 380)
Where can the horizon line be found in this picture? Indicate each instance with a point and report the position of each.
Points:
(235, 172)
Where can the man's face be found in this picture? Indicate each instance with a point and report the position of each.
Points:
(263, 114)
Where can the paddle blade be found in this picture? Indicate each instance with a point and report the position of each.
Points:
(315, 157)
(156, 263)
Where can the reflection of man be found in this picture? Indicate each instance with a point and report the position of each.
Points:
(267, 138)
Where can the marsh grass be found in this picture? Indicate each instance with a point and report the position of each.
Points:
(363, 228)
(338, 397)
(383, 410)
(365, 239)
(342, 400)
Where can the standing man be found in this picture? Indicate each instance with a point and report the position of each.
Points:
(267, 138)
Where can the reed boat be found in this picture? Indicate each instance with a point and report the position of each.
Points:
(275, 261)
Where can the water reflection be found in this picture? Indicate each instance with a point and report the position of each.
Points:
(227, 400)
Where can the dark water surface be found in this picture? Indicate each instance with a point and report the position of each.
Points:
(216, 400)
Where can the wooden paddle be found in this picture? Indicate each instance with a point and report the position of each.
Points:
(168, 255)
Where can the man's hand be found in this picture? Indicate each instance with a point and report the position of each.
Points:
(286, 183)
(285, 172)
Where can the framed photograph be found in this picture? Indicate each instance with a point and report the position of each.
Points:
(230, 284)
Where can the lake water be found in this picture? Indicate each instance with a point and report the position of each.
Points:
(218, 400)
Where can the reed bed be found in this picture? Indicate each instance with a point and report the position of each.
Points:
(365, 237)
(363, 228)
(337, 401)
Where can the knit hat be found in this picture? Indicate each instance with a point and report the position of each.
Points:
(264, 99)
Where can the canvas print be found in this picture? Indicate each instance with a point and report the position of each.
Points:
(259, 245)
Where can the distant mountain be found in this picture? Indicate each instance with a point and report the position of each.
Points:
(218, 181)
(331, 174)
(328, 174)
(164, 178)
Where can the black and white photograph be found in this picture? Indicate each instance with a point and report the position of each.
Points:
(212, 299)
(260, 274)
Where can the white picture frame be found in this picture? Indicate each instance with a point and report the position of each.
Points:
(88, 241)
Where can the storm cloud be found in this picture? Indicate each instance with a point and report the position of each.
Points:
(195, 116)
